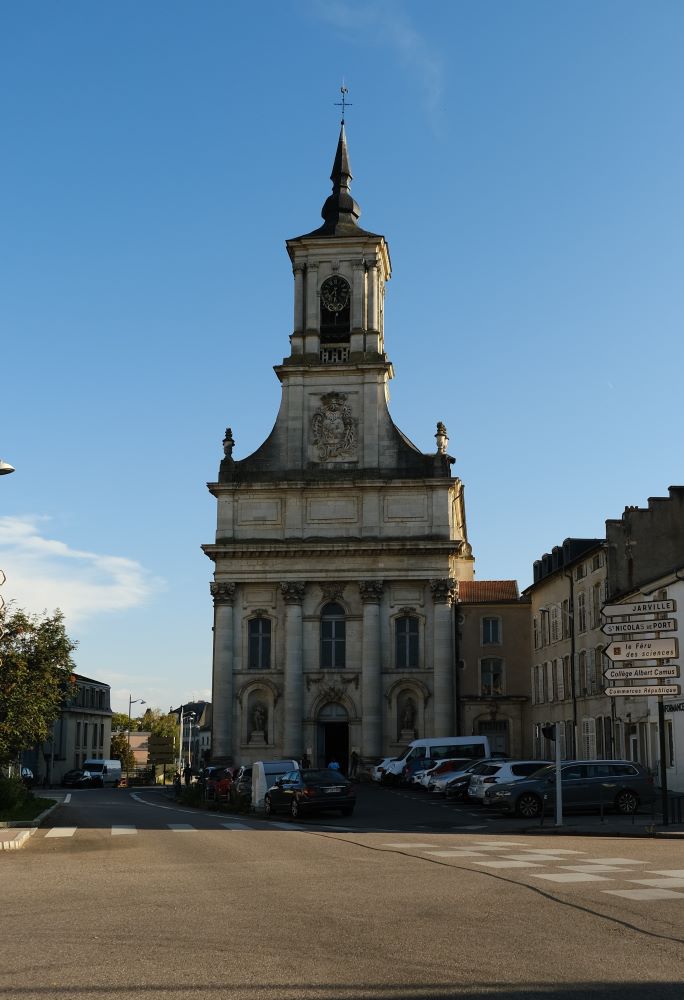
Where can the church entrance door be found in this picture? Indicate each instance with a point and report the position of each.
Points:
(333, 736)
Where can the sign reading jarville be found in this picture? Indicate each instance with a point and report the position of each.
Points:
(339, 544)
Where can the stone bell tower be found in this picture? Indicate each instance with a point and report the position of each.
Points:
(339, 544)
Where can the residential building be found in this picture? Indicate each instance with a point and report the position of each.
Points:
(493, 657)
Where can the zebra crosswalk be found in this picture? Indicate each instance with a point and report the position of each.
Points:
(126, 830)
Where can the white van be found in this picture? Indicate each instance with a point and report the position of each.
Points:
(264, 774)
(103, 772)
(438, 748)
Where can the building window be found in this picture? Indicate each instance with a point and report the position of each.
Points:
(492, 676)
(581, 612)
(406, 641)
(85, 735)
(333, 637)
(101, 735)
(491, 631)
(537, 636)
(78, 734)
(565, 615)
(335, 308)
(259, 631)
(94, 735)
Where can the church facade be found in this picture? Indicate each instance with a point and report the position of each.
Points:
(339, 544)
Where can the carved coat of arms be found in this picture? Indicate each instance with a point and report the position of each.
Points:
(332, 425)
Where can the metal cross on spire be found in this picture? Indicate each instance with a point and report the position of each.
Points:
(343, 103)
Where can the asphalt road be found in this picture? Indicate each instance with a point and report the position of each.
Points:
(125, 895)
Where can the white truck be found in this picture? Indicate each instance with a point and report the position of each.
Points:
(103, 772)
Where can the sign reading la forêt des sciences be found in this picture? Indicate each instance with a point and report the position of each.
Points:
(643, 649)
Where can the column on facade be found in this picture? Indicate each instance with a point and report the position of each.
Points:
(298, 328)
(443, 594)
(371, 676)
(222, 674)
(357, 307)
(373, 296)
(293, 594)
(312, 323)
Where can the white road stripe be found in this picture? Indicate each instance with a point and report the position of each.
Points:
(646, 895)
(572, 877)
(121, 831)
(181, 828)
(287, 826)
(61, 831)
(235, 826)
(67, 798)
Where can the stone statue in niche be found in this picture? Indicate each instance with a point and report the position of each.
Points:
(259, 724)
(408, 721)
(332, 426)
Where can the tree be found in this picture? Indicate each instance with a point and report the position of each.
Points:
(159, 723)
(119, 721)
(37, 679)
(122, 751)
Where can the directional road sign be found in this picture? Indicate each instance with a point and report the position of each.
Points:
(640, 626)
(639, 608)
(643, 649)
(640, 673)
(644, 692)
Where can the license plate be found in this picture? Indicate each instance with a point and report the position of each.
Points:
(333, 789)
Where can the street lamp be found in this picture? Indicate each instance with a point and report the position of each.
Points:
(131, 701)
(186, 717)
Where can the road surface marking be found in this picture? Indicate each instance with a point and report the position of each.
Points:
(547, 850)
(61, 831)
(67, 798)
(455, 854)
(596, 868)
(573, 877)
(181, 828)
(548, 858)
(615, 861)
(287, 826)
(659, 883)
(236, 826)
(675, 872)
(121, 831)
(407, 845)
(644, 894)
(507, 864)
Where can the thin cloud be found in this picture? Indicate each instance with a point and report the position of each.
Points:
(44, 573)
(384, 23)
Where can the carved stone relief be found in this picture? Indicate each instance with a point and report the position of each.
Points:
(223, 593)
(333, 428)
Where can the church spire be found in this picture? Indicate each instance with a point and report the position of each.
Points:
(340, 212)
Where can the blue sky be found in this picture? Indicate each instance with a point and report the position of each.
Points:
(524, 161)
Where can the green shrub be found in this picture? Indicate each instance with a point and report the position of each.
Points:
(12, 793)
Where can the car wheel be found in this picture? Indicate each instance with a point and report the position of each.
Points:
(294, 809)
(268, 808)
(528, 806)
(627, 802)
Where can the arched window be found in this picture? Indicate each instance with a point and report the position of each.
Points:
(406, 642)
(333, 637)
(259, 643)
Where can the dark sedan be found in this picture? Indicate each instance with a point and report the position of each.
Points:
(310, 790)
(76, 779)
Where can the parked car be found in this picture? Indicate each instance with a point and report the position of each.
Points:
(495, 771)
(585, 784)
(440, 781)
(310, 790)
(242, 784)
(456, 787)
(223, 784)
(377, 770)
(207, 779)
(76, 779)
(441, 769)
(412, 766)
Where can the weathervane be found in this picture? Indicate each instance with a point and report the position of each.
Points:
(343, 103)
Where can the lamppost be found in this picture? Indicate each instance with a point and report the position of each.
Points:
(131, 701)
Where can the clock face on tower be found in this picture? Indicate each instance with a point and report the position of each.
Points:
(335, 293)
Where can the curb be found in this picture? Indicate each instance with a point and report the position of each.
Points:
(24, 823)
(18, 840)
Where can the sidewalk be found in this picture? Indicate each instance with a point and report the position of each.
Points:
(609, 825)
(15, 834)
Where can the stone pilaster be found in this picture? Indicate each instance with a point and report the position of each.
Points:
(222, 672)
(443, 595)
(371, 678)
(293, 595)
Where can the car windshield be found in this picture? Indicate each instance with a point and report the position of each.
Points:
(322, 774)
(544, 772)
(94, 765)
